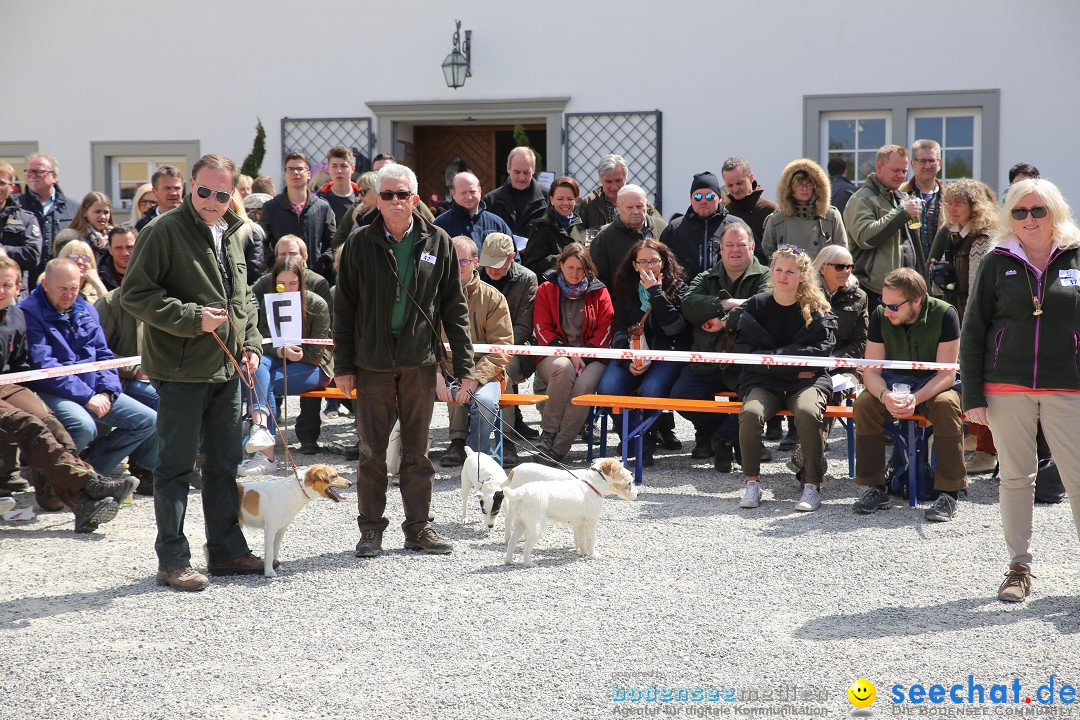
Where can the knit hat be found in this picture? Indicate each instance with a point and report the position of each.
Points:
(705, 180)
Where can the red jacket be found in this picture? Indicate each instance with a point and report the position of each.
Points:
(326, 188)
(595, 330)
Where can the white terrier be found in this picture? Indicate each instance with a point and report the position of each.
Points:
(573, 497)
(481, 475)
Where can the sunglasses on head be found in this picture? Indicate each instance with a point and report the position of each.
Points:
(388, 195)
(706, 196)
(221, 196)
(793, 249)
(841, 267)
(897, 306)
(1039, 211)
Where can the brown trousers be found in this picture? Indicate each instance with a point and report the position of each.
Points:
(383, 398)
(28, 423)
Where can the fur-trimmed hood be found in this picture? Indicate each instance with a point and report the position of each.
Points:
(823, 191)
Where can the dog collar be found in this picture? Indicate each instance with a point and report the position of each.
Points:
(591, 486)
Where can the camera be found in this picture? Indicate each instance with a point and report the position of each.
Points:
(943, 274)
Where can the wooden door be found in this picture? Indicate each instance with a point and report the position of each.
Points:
(443, 151)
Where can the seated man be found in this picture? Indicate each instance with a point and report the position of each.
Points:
(489, 322)
(910, 325)
(63, 329)
(60, 478)
(712, 305)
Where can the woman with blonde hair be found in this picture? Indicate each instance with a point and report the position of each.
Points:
(792, 317)
(142, 202)
(1019, 346)
(91, 286)
(91, 225)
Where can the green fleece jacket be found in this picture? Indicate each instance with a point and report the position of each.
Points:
(365, 295)
(876, 228)
(704, 300)
(173, 274)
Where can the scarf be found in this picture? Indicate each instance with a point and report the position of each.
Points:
(805, 210)
(571, 292)
(643, 296)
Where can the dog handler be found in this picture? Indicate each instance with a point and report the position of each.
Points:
(187, 281)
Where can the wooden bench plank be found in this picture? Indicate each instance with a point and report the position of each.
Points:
(508, 400)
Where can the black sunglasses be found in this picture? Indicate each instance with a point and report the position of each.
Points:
(1039, 211)
(897, 306)
(841, 267)
(388, 195)
(707, 196)
(221, 196)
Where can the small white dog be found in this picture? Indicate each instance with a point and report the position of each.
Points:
(272, 504)
(573, 497)
(482, 475)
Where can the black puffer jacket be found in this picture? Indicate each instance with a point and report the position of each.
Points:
(696, 240)
(547, 239)
(63, 212)
(315, 226)
(499, 202)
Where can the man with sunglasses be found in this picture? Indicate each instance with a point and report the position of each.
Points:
(187, 282)
(912, 326)
(53, 209)
(695, 236)
(298, 211)
(399, 282)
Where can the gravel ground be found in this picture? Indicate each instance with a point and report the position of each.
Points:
(776, 612)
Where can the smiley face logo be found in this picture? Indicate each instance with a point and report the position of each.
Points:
(862, 693)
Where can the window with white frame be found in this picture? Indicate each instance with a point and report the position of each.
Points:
(119, 168)
(967, 123)
(958, 132)
(855, 137)
(129, 173)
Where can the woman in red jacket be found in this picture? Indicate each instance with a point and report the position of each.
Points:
(573, 309)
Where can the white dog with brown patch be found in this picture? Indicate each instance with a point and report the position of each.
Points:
(574, 497)
(480, 474)
(272, 504)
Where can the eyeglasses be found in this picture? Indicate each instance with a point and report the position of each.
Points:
(793, 249)
(1039, 211)
(841, 267)
(466, 262)
(39, 173)
(363, 192)
(931, 161)
(655, 262)
(79, 258)
(296, 170)
(897, 306)
(388, 195)
(221, 196)
(707, 196)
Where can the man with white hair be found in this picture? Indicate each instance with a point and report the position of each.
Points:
(398, 282)
(632, 223)
(468, 214)
(598, 207)
(520, 201)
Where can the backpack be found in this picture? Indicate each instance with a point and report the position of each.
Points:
(896, 466)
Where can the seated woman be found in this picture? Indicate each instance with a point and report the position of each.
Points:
(649, 287)
(91, 225)
(555, 229)
(301, 367)
(90, 287)
(573, 309)
(142, 202)
(792, 317)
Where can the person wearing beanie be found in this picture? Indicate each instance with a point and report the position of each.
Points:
(695, 236)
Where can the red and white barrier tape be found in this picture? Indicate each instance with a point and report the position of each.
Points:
(27, 376)
(309, 341)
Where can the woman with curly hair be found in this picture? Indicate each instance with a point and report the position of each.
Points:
(972, 212)
(792, 317)
(647, 296)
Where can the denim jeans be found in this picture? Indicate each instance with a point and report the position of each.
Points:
(271, 377)
(656, 381)
(142, 391)
(481, 422)
(693, 385)
(133, 431)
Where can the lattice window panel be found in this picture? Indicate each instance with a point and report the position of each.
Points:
(634, 135)
(314, 136)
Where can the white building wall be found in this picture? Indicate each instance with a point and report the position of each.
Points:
(729, 79)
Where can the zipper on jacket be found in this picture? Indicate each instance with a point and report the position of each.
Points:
(1076, 351)
(997, 344)
(1038, 323)
(183, 349)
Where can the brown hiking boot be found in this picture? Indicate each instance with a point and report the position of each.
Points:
(185, 579)
(370, 544)
(429, 541)
(1017, 585)
(246, 564)
(118, 488)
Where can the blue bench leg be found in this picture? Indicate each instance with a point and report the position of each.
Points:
(591, 422)
(914, 471)
(498, 429)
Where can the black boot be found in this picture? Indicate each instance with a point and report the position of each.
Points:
(665, 431)
(702, 445)
(774, 428)
(91, 512)
(510, 456)
(724, 454)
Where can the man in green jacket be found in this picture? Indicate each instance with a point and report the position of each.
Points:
(187, 282)
(712, 305)
(876, 220)
(398, 282)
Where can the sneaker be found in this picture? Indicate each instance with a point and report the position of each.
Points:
(6, 503)
(751, 496)
(309, 448)
(943, 510)
(258, 439)
(430, 541)
(454, 456)
(370, 544)
(810, 501)
(118, 488)
(91, 512)
(246, 564)
(1017, 585)
(185, 579)
(795, 462)
(258, 465)
(774, 428)
(875, 498)
(789, 441)
(970, 443)
(979, 463)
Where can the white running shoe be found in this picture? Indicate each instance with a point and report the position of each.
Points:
(752, 496)
(6, 503)
(258, 465)
(810, 500)
(258, 439)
